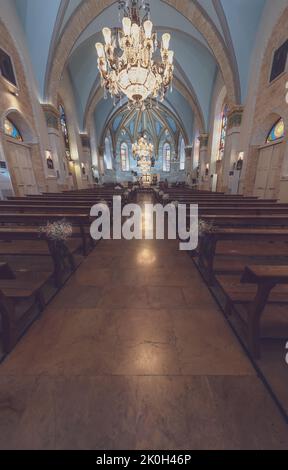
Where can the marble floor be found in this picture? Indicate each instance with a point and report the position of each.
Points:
(134, 353)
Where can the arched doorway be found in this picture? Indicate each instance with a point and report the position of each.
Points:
(17, 148)
(270, 154)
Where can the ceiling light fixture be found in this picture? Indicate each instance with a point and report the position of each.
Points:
(132, 62)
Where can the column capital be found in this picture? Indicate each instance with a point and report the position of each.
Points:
(52, 115)
(85, 140)
(203, 139)
(189, 151)
(235, 114)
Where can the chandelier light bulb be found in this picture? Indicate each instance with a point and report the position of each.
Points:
(166, 41)
(126, 22)
(100, 50)
(135, 30)
(148, 26)
(107, 36)
(170, 57)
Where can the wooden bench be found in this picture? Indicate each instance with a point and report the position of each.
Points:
(257, 286)
(80, 220)
(208, 242)
(248, 220)
(60, 255)
(23, 288)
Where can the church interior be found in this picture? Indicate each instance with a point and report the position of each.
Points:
(115, 343)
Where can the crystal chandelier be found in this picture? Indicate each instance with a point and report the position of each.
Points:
(132, 62)
(143, 151)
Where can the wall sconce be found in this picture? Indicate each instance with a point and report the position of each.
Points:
(207, 169)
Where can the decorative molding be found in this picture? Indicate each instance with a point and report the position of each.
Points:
(189, 151)
(203, 139)
(51, 115)
(235, 117)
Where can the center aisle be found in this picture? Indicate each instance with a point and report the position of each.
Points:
(134, 354)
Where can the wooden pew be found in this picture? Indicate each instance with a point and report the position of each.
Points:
(80, 220)
(236, 220)
(59, 257)
(207, 248)
(13, 293)
(257, 286)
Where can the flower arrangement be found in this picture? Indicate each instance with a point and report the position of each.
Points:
(175, 203)
(205, 227)
(165, 197)
(57, 231)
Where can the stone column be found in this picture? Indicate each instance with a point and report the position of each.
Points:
(7, 185)
(61, 177)
(231, 151)
(188, 164)
(101, 166)
(86, 161)
(204, 162)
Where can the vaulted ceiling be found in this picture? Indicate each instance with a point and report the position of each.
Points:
(232, 24)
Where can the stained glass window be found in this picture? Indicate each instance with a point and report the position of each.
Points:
(224, 122)
(166, 157)
(277, 132)
(182, 154)
(12, 131)
(124, 156)
(65, 133)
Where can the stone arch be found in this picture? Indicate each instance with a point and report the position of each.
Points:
(89, 10)
(25, 129)
(262, 130)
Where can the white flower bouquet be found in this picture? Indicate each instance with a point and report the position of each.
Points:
(58, 231)
(205, 227)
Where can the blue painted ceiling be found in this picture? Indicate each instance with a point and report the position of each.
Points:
(236, 21)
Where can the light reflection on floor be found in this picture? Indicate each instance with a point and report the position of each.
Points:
(146, 257)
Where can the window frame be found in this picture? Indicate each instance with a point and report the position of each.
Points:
(66, 136)
(107, 141)
(182, 156)
(166, 145)
(15, 139)
(127, 160)
(273, 80)
(279, 139)
(224, 115)
(14, 87)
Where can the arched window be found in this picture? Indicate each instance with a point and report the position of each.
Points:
(108, 154)
(12, 131)
(124, 157)
(182, 155)
(64, 128)
(166, 157)
(277, 132)
(223, 132)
